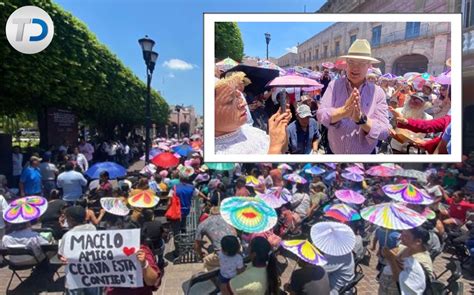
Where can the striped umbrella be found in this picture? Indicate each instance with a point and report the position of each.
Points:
(354, 169)
(392, 216)
(143, 198)
(408, 193)
(305, 251)
(275, 197)
(247, 214)
(341, 212)
(295, 178)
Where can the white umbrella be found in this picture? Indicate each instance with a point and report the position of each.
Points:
(333, 238)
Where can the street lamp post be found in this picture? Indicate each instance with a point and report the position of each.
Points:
(267, 39)
(150, 58)
(178, 108)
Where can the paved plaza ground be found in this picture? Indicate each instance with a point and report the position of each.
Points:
(176, 277)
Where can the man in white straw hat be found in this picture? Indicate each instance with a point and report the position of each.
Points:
(355, 111)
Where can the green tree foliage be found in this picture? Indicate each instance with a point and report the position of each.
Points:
(76, 71)
(228, 41)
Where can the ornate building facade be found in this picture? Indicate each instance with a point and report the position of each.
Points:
(400, 46)
(466, 7)
(287, 60)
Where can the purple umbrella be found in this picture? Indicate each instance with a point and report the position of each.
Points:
(389, 76)
(349, 196)
(354, 169)
(352, 176)
(407, 193)
(444, 78)
(315, 170)
(275, 197)
(295, 178)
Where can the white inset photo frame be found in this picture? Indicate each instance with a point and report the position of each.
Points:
(429, 43)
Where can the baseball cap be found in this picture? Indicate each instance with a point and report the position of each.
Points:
(303, 111)
(420, 95)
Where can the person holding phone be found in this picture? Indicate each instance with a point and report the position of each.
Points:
(233, 135)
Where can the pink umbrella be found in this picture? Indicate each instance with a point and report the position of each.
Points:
(340, 64)
(354, 169)
(293, 81)
(349, 196)
(328, 65)
(360, 165)
(444, 78)
(352, 176)
(381, 171)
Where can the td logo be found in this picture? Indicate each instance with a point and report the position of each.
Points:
(29, 29)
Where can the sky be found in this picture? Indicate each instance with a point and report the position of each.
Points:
(177, 28)
(284, 36)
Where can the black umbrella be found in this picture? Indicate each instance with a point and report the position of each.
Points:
(258, 76)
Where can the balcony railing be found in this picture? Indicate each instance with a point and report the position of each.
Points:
(402, 35)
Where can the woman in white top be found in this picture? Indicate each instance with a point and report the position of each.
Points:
(233, 135)
(408, 270)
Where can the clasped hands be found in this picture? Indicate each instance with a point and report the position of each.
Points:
(351, 108)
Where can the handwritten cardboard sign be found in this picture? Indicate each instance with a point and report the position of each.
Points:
(103, 258)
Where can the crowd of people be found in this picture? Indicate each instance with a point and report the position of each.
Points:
(355, 110)
(247, 261)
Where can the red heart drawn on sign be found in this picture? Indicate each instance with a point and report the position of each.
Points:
(128, 251)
